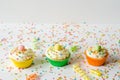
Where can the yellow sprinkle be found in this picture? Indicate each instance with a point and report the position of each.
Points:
(59, 78)
(58, 47)
(74, 66)
(77, 65)
(102, 34)
(77, 68)
(81, 72)
(86, 78)
(96, 72)
(106, 77)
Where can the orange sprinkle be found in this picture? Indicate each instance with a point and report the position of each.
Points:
(90, 49)
(95, 52)
(32, 77)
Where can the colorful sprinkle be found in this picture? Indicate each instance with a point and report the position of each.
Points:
(32, 77)
(81, 72)
(41, 36)
(96, 72)
(73, 48)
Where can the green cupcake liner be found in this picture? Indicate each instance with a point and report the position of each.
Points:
(58, 63)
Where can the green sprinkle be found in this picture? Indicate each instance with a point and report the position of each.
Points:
(119, 41)
(114, 53)
(35, 39)
(97, 48)
(73, 48)
(0, 44)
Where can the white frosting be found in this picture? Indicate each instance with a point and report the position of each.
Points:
(57, 54)
(99, 54)
(22, 56)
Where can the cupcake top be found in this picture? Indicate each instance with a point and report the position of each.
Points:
(57, 52)
(96, 52)
(20, 53)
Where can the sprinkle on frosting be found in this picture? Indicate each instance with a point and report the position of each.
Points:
(21, 48)
(57, 52)
(21, 53)
(96, 52)
(58, 47)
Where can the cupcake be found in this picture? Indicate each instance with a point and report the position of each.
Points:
(96, 55)
(21, 57)
(57, 55)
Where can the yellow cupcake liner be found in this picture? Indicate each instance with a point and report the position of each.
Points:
(22, 64)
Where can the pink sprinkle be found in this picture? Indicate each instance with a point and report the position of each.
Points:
(21, 48)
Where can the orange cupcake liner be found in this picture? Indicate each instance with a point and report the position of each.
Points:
(95, 61)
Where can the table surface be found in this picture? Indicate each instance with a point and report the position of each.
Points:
(81, 35)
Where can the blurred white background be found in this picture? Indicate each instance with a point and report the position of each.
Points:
(59, 11)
